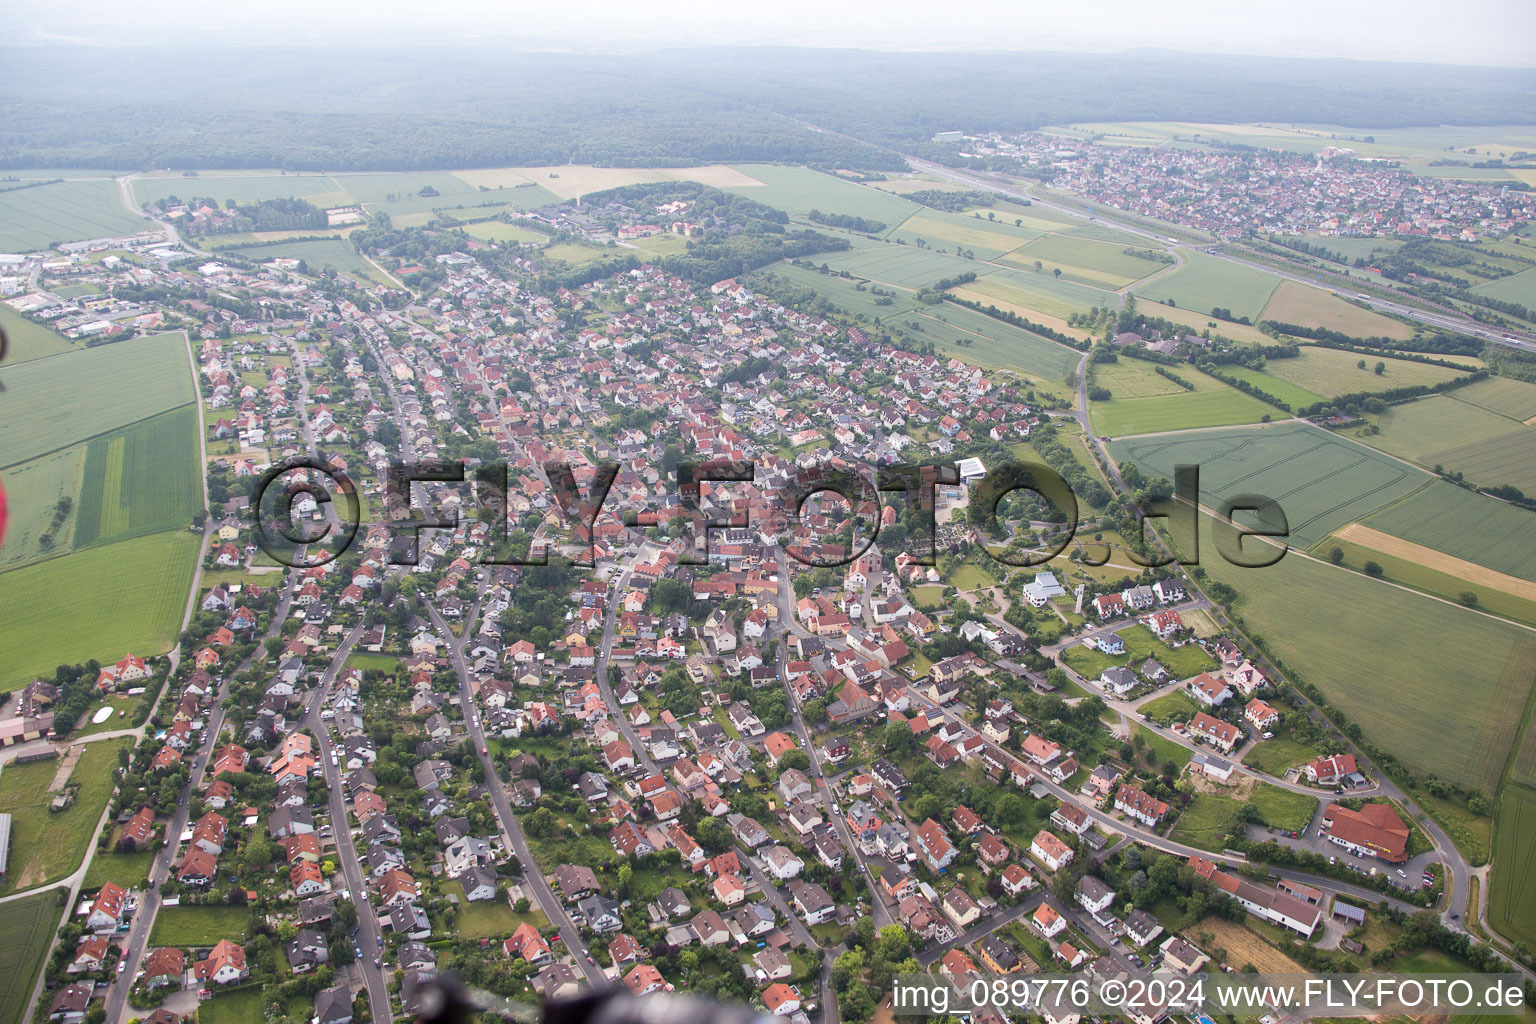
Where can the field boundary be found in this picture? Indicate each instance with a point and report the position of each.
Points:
(100, 434)
(1437, 560)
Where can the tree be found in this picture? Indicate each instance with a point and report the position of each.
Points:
(1055, 271)
(1336, 555)
(1381, 368)
(1361, 364)
(1468, 598)
(541, 824)
(1372, 569)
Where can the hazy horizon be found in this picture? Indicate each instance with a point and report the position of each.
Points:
(1477, 32)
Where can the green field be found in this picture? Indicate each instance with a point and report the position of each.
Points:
(1489, 449)
(47, 846)
(378, 187)
(1042, 292)
(1512, 892)
(799, 190)
(26, 340)
(1332, 372)
(1208, 282)
(847, 294)
(26, 930)
(242, 1006)
(1513, 398)
(140, 480)
(1207, 820)
(99, 604)
(1519, 288)
(33, 490)
(1140, 645)
(66, 211)
(1468, 525)
(59, 401)
(1103, 264)
(1174, 706)
(1291, 394)
(1410, 572)
(978, 338)
(1319, 481)
(129, 870)
(939, 230)
(1182, 411)
(199, 925)
(1273, 757)
(901, 266)
(335, 253)
(500, 231)
(1386, 657)
(1137, 378)
(242, 188)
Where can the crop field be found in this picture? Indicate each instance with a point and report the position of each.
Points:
(466, 204)
(1207, 282)
(33, 490)
(1292, 395)
(1331, 372)
(1044, 292)
(1513, 398)
(1182, 411)
(100, 604)
(1305, 306)
(1519, 288)
(46, 845)
(26, 929)
(1433, 571)
(1440, 431)
(1467, 525)
(26, 340)
(940, 230)
(1199, 321)
(378, 187)
(1137, 378)
(338, 254)
(65, 211)
(799, 190)
(845, 293)
(1318, 480)
(55, 402)
(500, 231)
(1104, 264)
(978, 338)
(1431, 682)
(242, 188)
(901, 266)
(975, 292)
(1512, 888)
(140, 480)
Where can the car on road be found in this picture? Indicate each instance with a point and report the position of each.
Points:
(1402, 874)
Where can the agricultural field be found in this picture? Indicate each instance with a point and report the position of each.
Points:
(1305, 306)
(1043, 292)
(500, 231)
(901, 266)
(799, 190)
(140, 480)
(46, 845)
(1318, 480)
(846, 293)
(978, 338)
(1489, 449)
(1331, 372)
(1513, 398)
(1137, 378)
(27, 340)
(1184, 410)
(65, 211)
(242, 188)
(55, 402)
(937, 229)
(99, 604)
(1290, 394)
(1519, 288)
(198, 925)
(1102, 264)
(382, 186)
(337, 254)
(1466, 525)
(1512, 888)
(34, 489)
(26, 930)
(1383, 655)
(1208, 282)
(1199, 321)
(980, 292)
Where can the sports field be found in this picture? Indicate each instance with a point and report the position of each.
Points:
(100, 603)
(65, 211)
(1512, 888)
(47, 845)
(26, 929)
(1305, 306)
(1181, 411)
(1488, 448)
(1208, 282)
(1467, 525)
(54, 402)
(799, 190)
(1319, 481)
(140, 480)
(26, 340)
(1331, 372)
(1431, 682)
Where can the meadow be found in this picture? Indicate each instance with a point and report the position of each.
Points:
(799, 190)
(140, 480)
(99, 604)
(978, 338)
(27, 340)
(846, 293)
(1512, 888)
(1467, 525)
(1140, 644)
(940, 230)
(242, 1006)
(26, 930)
(1513, 398)
(198, 925)
(500, 231)
(33, 490)
(1440, 430)
(1519, 288)
(1182, 411)
(1104, 264)
(1043, 292)
(335, 253)
(1331, 372)
(1208, 282)
(1431, 682)
(902, 266)
(1318, 480)
(1305, 306)
(1137, 378)
(1292, 395)
(65, 211)
(45, 845)
(1208, 818)
(59, 401)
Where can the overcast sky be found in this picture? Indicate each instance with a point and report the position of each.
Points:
(1501, 32)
